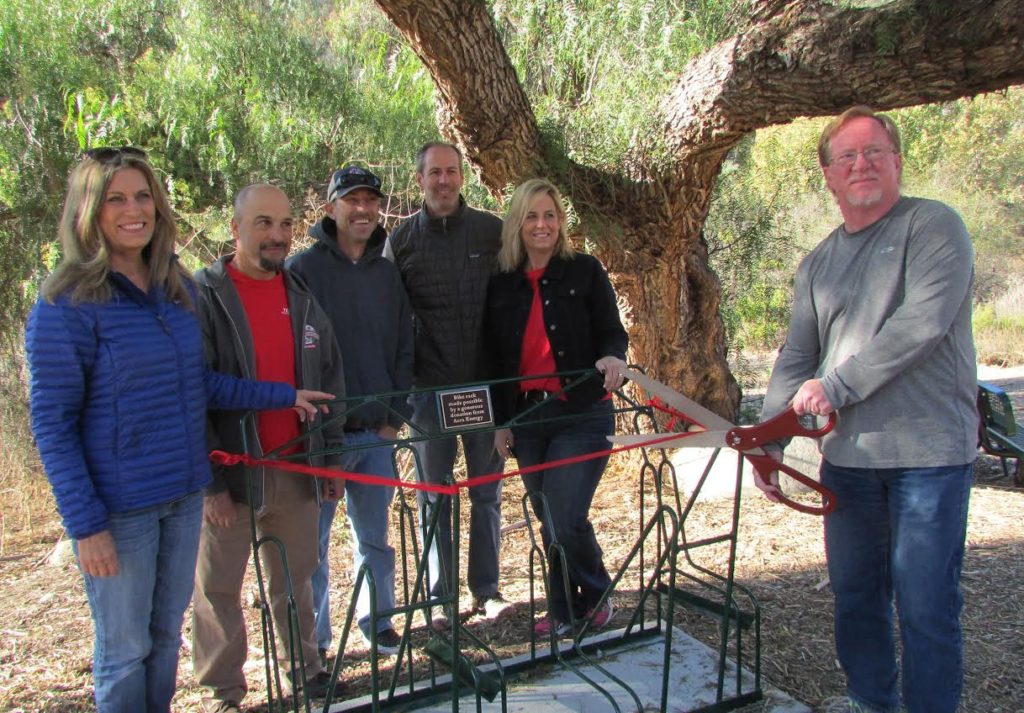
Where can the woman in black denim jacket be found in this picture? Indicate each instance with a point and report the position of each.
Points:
(551, 309)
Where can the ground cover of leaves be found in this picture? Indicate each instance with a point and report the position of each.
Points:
(46, 634)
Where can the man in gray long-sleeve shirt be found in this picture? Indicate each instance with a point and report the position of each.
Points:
(881, 333)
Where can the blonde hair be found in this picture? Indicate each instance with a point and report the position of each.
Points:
(85, 265)
(854, 112)
(512, 253)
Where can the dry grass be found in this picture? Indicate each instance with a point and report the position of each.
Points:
(999, 328)
(46, 634)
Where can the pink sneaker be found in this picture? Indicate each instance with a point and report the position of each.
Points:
(543, 626)
(599, 618)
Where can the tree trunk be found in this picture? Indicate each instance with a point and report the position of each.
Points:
(797, 58)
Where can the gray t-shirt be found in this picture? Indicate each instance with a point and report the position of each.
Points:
(883, 317)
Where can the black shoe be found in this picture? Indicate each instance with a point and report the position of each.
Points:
(388, 641)
(323, 657)
(319, 685)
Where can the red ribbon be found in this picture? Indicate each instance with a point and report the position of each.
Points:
(225, 458)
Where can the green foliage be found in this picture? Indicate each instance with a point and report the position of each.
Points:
(220, 93)
(594, 69)
(999, 328)
(748, 249)
(771, 206)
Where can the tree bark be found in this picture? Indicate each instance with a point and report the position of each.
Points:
(796, 58)
(481, 105)
(809, 59)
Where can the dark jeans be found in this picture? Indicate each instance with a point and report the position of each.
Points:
(437, 461)
(898, 534)
(568, 491)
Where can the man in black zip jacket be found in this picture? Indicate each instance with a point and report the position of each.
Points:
(446, 254)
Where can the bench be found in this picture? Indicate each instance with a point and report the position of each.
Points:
(998, 433)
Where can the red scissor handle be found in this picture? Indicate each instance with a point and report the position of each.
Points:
(786, 425)
(765, 465)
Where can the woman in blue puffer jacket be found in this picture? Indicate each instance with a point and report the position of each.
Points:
(119, 393)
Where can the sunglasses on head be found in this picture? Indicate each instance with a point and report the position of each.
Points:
(355, 178)
(103, 154)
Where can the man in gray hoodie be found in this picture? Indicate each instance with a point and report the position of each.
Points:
(881, 333)
(363, 297)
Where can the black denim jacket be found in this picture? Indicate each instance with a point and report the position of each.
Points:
(581, 318)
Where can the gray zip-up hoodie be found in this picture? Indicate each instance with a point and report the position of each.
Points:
(229, 349)
(372, 321)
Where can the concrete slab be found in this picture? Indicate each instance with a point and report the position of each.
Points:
(552, 688)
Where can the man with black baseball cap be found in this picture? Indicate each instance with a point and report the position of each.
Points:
(364, 299)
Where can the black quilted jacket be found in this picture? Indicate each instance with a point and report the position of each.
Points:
(445, 265)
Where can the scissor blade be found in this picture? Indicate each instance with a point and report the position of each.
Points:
(697, 439)
(706, 418)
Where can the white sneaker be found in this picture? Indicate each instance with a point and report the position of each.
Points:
(842, 704)
(440, 622)
(491, 606)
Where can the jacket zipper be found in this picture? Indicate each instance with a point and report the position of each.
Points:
(248, 375)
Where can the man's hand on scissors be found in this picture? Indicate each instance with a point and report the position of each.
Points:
(811, 399)
(770, 486)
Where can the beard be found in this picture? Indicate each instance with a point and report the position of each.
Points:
(864, 200)
(272, 264)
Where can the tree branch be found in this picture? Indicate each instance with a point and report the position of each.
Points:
(481, 104)
(810, 60)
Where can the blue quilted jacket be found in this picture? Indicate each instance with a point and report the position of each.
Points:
(119, 392)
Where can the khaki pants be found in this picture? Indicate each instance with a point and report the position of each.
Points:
(290, 514)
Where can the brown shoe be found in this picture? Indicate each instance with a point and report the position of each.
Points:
(320, 684)
(216, 705)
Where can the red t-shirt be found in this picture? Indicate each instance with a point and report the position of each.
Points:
(266, 307)
(536, 357)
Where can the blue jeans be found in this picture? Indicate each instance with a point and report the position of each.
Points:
(137, 613)
(898, 533)
(436, 463)
(367, 507)
(568, 490)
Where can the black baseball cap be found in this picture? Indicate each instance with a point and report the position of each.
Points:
(345, 180)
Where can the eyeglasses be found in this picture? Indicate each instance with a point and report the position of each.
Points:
(105, 154)
(872, 154)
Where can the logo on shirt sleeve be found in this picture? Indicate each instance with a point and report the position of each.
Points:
(310, 337)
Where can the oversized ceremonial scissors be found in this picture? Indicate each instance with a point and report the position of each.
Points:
(721, 433)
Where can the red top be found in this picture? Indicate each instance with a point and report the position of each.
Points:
(536, 357)
(270, 322)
